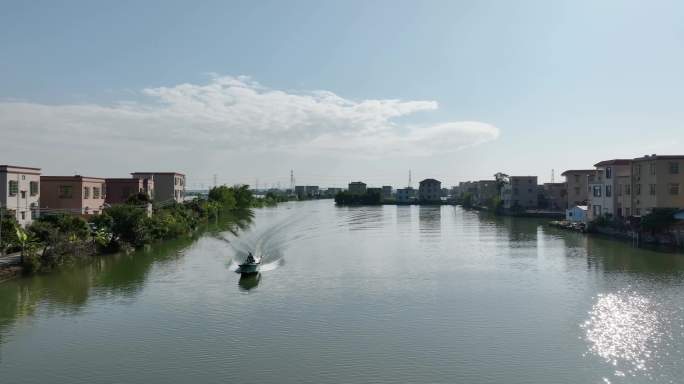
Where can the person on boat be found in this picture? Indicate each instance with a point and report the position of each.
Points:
(250, 258)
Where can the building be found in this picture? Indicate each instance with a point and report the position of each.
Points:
(312, 191)
(406, 195)
(300, 191)
(357, 188)
(120, 189)
(555, 195)
(520, 192)
(605, 185)
(386, 192)
(167, 185)
(20, 192)
(467, 187)
(484, 191)
(576, 214)
(74, 194)
(577, 186)
(430, 191)
(332, 192)
(657, 182)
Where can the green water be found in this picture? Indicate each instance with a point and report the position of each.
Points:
(355, 295)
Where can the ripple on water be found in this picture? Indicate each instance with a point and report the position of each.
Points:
(626, 330)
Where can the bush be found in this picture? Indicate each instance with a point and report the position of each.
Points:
(660, 219)
(368, 198)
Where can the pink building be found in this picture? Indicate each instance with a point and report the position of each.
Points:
(76, 194)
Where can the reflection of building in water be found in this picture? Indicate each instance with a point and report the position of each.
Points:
(521, 229)
(429, 219)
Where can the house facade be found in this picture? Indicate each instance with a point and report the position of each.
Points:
(357, 188)
(167, 185)
(430, 191)
(556, 196)
(73, 194)
(406, 195)
(577, 186)
(484, 191)
(386, 192)
(520, 192)
(607, 191)
(576, 214)
(120, 189)
(657, 182)
(20, 192)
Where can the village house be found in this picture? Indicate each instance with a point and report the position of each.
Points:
(406, 195)
(120, 189)
(556, 196)
(20, 192)
(357, 188)
(484, 191)
(607, 190)
(72, 194)
(430, 191)
(520, 192)
(167, 185)
(576, 186)
(657, 182)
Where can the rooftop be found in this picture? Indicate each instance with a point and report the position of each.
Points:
(3, 167)
(74, 177)
(157, 173)
(577, 171)
(659, 157)
(613, 162)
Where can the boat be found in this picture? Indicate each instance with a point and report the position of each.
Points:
(251, 265)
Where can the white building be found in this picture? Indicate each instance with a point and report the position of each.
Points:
(20, 192)
(607, 186)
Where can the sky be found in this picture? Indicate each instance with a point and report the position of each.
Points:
(338, 91)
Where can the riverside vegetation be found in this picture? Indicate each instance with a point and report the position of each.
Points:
(57, 239)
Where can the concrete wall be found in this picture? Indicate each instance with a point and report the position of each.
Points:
(23, 203)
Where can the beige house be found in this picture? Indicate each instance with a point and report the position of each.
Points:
(20, 192)
(75, 194)
(657, 182)
(520, 192)
(556, 196)
(167, 185)
(607, 191)
(577, 186)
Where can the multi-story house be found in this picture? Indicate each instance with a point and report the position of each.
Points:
(332, 191)
(300, 191)
(406, 195)
(20, 192)
(312, 191)
(430, 191)
(607, 190)
(485, 191)
(167, 185)
(657, 182)
(386, 192)
(120, 189)
(577, 187)
(357, 188)
(556, 196)
(74, 194)
(520, 192)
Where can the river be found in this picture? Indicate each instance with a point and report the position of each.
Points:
(381, 294)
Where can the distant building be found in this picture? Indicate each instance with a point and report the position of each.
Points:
(375, 190)
(357, 188)
(406, 195)
(657, 182)
(608, 186)
(312, 191)
(75, 194)
(520, 192)
(577, 186)
(386, 192)
(167, 185)
(120, 189)
(300, 191)
(555, 195)
(430, 191)
(20, 192)
(484, 191)
(576, 214)
(331, 192)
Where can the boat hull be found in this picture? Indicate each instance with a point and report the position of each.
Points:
(248, 268)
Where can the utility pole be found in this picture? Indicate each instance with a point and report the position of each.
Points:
(215, 178)
(292, 181)
(409, 184)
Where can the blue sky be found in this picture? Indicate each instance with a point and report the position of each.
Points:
(338, 90)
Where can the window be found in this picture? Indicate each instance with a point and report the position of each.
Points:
(96, 192)
(577, 178)
(619, 189)
(577, 191)
(597, 191)
(674, 168)
(23, 194)
(609, 191)
(609, 172)
(13, 187)
(652, 189)
(619, 212)
(637, 189)
(652, 168)
(674, 189)
(33, 188)
(628, 189)
(596, 210)
(66, 192)
(627, 212)
(86, 192)
(23, 215)
(637, 170)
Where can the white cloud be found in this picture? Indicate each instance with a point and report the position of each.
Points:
(238, 114)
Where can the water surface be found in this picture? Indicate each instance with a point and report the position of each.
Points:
(356, 295)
